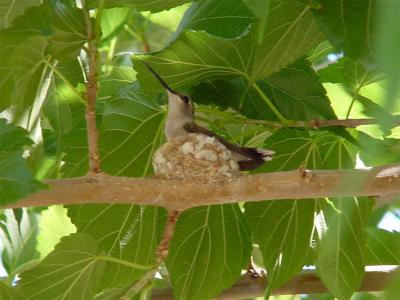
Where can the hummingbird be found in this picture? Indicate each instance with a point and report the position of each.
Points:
(181, 121)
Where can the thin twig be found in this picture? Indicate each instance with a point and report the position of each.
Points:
(91, 95)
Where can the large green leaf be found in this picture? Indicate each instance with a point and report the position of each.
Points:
(131, 131)
(10, 9)
(194, 57)
(285, 32)
(295, 90)
(69, 31)
(72, 271)
(342, 249)
(16, 180)
(130, 233)
(6, 293)
(209, 249)
(286, 245)
(154, 5)
(28, 74)
(349, 25)
(22, 50)
(383, 247)
(225, 18)
(285, 248)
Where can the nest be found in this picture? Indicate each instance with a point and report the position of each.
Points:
(197, 158)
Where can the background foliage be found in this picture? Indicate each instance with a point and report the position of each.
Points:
(243, 62)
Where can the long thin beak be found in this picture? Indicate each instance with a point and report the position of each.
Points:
(163, 83)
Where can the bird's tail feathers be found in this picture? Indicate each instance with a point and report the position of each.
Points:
(265, 154)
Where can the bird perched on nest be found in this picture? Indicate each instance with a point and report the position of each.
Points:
(194, 153)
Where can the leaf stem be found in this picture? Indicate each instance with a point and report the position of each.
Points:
(125, 263)
(270, 104)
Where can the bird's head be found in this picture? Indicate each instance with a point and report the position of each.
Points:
(179, 104)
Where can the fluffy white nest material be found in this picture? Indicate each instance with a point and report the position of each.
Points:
(197, 158)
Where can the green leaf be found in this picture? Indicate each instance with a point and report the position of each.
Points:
(225, 18)
(10, 9)
(196, 56)
(209, 249)
(383, 247)
(154, 6)
(130, 233)
(28, 74)
(18, 235)
(16, 180)
(295, 90)
(54, 224)
(132, 130)
(6, 292)
(349, 25)
(287, 244)
(388, 45)
(69, 31)
(342, 249)
(113, 20)
(72, 271)
(393, 287)
(286, 32)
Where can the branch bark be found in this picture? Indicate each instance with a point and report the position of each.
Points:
(351, 123)
(178, 195)
(304, 283)
(91, 95)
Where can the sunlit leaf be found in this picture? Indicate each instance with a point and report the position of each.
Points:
(54, 224)
(209, 249)
(154, 6)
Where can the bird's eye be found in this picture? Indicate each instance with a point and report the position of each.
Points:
(185, 99)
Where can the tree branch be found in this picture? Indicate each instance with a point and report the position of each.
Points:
(91, 94)
(351, 123)
(304, 283)
(178, 195)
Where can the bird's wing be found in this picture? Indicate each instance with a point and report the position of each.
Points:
(255, 157)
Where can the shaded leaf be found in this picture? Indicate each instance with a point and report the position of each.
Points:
(225, 18)
(16, 180)
(383, 247)
(209, 249)
(74, 270)
(6, 293)
(286, 32)
(342, 249)
(286, 247)
(349, 25)
(10, 9)
(69, 31)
